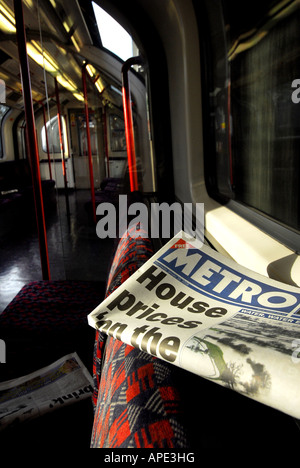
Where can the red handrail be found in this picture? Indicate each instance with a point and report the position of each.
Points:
(129, 131)
(31, 138)
(62, 149)
(104, 116)
(47, 141)
(88, 136)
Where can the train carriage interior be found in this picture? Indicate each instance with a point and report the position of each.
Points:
(199, 106)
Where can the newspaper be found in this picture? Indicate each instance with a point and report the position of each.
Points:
(193, 307)
(59, 384)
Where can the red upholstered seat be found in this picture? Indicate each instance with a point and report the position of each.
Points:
(137, 404)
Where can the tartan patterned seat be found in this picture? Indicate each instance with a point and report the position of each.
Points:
(141, 401)
(46, 320)
(136, 400)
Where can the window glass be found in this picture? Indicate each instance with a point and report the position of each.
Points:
(253, 74)
(117, 133)
(53, 135)
(3, 111)
(113, 35)
(82, 134)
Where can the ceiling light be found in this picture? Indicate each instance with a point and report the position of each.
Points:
(91, 70)
(75, 43)
(41, 59)
(78, 96)
(66, 83)
(7, 12)
(99, 85)
(66, 26)
(7, 20)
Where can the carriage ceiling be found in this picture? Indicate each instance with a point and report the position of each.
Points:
(59, 43)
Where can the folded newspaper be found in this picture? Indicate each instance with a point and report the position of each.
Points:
(62, 383)
(191, 306)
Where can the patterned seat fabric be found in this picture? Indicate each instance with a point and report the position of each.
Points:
(143, 402)
(136, 401)
(44, 306)
(46, 320)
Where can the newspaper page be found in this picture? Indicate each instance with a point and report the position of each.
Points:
(61, 383)
(193, 307)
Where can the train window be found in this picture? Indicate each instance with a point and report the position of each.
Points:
(82, 137)
(113, 35)
(53, 135)
(117, 133)
(3, 111)
(252, 62)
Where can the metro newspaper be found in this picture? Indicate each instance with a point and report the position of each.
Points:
(193, 307)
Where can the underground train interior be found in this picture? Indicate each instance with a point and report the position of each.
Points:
(202, 107)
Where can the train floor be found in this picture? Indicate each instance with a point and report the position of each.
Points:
(75, 253)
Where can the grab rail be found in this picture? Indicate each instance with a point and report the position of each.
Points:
(32, 139)
(129, 131)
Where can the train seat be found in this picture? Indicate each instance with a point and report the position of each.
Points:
(11, 206)
(136, 399)
(15, 177)
(109, 191)
(46, 320)
(16, 194)
(141, 401)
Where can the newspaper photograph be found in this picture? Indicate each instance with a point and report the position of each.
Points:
(201, 311)
(64, 382)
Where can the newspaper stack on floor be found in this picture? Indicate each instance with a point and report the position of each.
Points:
(63, 382)
(200, 311)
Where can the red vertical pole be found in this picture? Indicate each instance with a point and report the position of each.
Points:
(229, 130)
(129, 133)
(47, 142)
(88, 136)
(105, 139)
(32, 141)
(62, 149)
(68, 140)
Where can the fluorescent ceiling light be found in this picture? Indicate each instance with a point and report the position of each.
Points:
(7, 12)
(99, 85)
(78, 96)
(75, 43)
(91, 70)
(66, 83)
(7, 19)
(6, 25)
(66, 26)
(44, 60)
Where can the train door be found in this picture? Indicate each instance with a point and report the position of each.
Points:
(79, 146)
(116, 155)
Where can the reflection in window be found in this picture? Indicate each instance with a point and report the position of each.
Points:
(117, 133)
(53, 135)
(82, 134)
(3, 111)
(256, 126)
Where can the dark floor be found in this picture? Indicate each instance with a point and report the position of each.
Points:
(75, 251)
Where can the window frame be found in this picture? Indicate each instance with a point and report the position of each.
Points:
(52, 145)
(2, 121)
(286, 235)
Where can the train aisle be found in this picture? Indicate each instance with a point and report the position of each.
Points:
(77, 256)
(75, 251)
